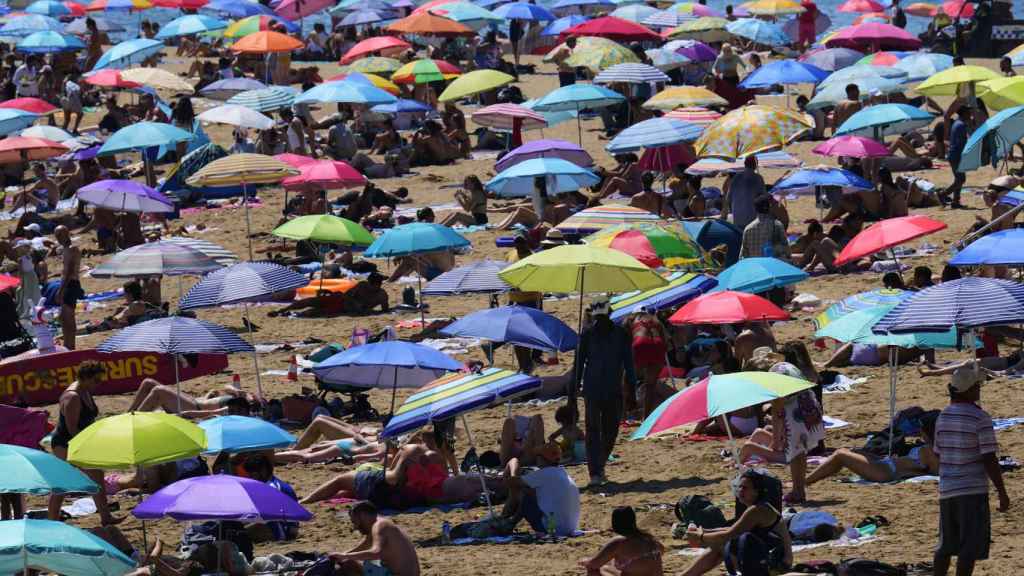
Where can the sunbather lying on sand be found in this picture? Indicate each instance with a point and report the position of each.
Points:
(152, 395)
(331, 450)
(360, 299)
(330, 428)
(920, 460)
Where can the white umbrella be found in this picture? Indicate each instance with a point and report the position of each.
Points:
(47, 132)
(241, 116)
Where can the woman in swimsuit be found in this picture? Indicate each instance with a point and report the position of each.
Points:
(331, 450)
(650, 349)
(633, 552)
(920, 460)
(330, 428)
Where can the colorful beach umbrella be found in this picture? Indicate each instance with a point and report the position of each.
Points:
(874, 36)
(221, 497)
(243, 434)
(507, 117)
(373, 65)
(236, 9)
(605, 216)
(964, 304)
(595, 54)
(111, 5)
(773, 7)
(783, 72)
(862, 301)
(369, 79)
(136, 438)
(266, 99)
(947, 82)
(727, 307)
(60, 548)
(562, 24)
(325, 175)
(705, 29)
(679, 96)
(751, 129)
(681, 288)
(157, 78)
(852, 147)
(634, 13)
(49, 42)
(560, 176)
(55, 9)
(389, 365)
(576, 97)
(887, 234)
(425, 71)
(614, 28)
(656, 245)
(857, 327)
(692, 49)
(808, 180)
(253, 24)
(666, 60)
(694, 115)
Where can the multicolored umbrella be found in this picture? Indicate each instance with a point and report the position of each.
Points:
(373, 65)
(29, 471)
(718, 395)
(656, 245)
(605, 216)
(887, 234)
(861, 6)
(425, 71)
(253, 24)
(728, 307)
(681, 288)
(665, 60)
(751, 129)
(106, 5)
(221, 497)
(861, 301)
(694, 115)
(596, 54)
(368, 79)
(705, 29)
(136, 438)
(773, 7)
(678, 96)
(857, 327)
(57, 547)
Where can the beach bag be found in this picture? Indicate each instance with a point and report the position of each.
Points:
(700, 510)
(863, 567)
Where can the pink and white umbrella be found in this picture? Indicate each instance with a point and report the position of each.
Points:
(694, 115)
(509, 117)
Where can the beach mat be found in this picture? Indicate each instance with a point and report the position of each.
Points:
(517, 538)
(339, 501)
(843, 542)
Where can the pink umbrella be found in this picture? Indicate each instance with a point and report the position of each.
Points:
(852, 147)
(958, 9)
(861, 6)
(376, 44)
(510, 117)
(876, 36)
(296, 9)
(665, 158)
(294, 160)
(325, 175)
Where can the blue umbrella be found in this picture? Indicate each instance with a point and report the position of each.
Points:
(474, 278)
(552, 118)
(576, 97)
(392, 364)
(714, 232)
(573, 3)
(756, 275)
(51, 8)
(519, 325)
(654, 133)
(681, 288)
(266, 99)
(415, 238)
(1003, 248)
(59, 548)
(923, 65)
(811, 178)
(758, 31)
(228, 87)
(560, 176)
(143, 135)
(362, 17)
(634, 12)
(524, 11)
(242, 282)
(885, 119)
(832, 59)
(562, 24)
(966, 303)
(189, 25)
(13, 120)
(176, 335)
(830, 93)
(783, 72)
(238, 8)
(129, 52)
(243, 434)
(29, 23)
(999, 133)
(28, 471)
(345, 92)
(402, 106)
(858, 71)
(48, 42)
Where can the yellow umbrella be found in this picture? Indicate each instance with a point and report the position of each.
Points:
(473, 83)
(136, 439)
(947, 82)
(373, 65)
(596, 54)
(706, 29)
(773, 7)
(157, 78)
(680, 96)
(749, 130)
(1002, 93)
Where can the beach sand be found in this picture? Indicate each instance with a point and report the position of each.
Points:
(650, 475)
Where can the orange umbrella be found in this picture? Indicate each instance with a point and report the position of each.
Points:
(923, 9)
(22, 149)
(266, 41)
(427, 24)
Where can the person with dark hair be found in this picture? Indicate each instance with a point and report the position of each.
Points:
(473, 199)
(893, 281)
(153, 395)
(922, 278)
(547, 498)
(950, 273)
(819, 249)
(133, 310)
(846, 108)
(360, 299)
(958, 134)
(919, 461)
(385, 549)
(78, 411)
(765, 236)
(894, 198)
(633, 552)
(755, 544)
(1006, 67)
(566, 73)
(648, 199)
(740, 192)
(259, 467)
(94, 44)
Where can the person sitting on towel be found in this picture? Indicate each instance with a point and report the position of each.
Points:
(360, 299)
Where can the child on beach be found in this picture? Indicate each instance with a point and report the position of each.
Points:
(568, 434)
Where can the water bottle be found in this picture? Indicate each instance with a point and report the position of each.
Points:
(550, 525)
(766, 250)
(446, 533)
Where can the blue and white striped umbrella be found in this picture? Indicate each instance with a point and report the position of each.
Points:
(345, 92)
(266, 99)
(176, 335)
(630, 73)
(189, 25)
(634, 12)
(560, 176)
(666, 19)
(49, 42)
(13, 120)
(654, 133)
(129, 52)
(242, 282)
(474, 278)
(965, 304)
(30, 23)
(391, 364)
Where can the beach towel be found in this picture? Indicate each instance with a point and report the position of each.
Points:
(1004, 423)
(843, 384)
(842, 542)
(518, 538)
(854, 479)
(65, 205)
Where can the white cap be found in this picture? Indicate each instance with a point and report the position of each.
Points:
(965, 377)
(600, 305)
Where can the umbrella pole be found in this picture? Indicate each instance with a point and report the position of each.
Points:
(394, 390)
(479, 469)
(145, 539)
(578, 376)
(732, 442)
(255, 356)
(579, 128)
(248, 222)
(892, 392)
(419, 285)
(177, 380)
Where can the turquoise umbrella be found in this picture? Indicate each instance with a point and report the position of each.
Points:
(50, 8)
(48, 42)
(856, 327)
(28, 471)
(924, 65)
(29, 23)
(883, 120)
(1000, 133)
(13, 120)
(869, 299)
(758, 31)
(576, 97)
(345, 92)
(189, 25)
(266, 99)
(243, 434)
(129, 52)
(755, 275)
(552, 118)
(58, 547)
(560, 176)
(143, 135)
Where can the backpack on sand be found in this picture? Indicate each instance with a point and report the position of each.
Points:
(864, 567)
(700, 511)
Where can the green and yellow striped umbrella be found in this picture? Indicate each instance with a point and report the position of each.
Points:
(424, 71)
(656, 245)
(373, 65)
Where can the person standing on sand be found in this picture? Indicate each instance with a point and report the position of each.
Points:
(70, 285)
(965, 443)
(385, 550)
(741, 191)
(94, 47)
(566, 73)
(958, 134)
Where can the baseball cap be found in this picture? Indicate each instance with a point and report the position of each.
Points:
(964, 378)
(600, 305)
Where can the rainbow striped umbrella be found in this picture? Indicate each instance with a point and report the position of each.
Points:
(717, 395)
(655, 245)
(258, 23)
(681, 288)
(424, 71)
(862, 301)
(694, 115)
(606, 216)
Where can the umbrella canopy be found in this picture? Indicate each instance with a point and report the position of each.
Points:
(21, 149)
(880, 59)
(48, 133)
(30, 105)
(634, 12)
(243, 434)
(857, 327)
(29, 471)
(718, 395)
(325, 175)
(524, 11)
(136, 439)
(758, 31)
(654, 133)
(655, 245)
(427, 24)
(773, 7)
(784, 72)
(886, 234)
(576, 97)
(665, 18)
(862, 301)
(221, 497)
(390, 364)
(415, 238)
(176, 335)
(756, 275)
(60, 548)
(49, 42)
(1005, 248)
(125, 196)
(403, 106)
(666, 60)
(631, 73)
(128, 53)
(299, 9)
(78, 27)
(473, 83)
(831, 59)
(808, 179)
(265, 99)
(751, 129)
(614, 28)
(580, 269)
(606, 216)
(728, 307)
(924, 65)
(13, 120)
(325, 228)
(467, 13)
(519, 325)
(996, 137)
(692, 49)
(545, 149)
(235, 9)
(143, 135)
(595, 54)
(474, 278)
(456, 394)
(559, 26)
(947, 82)
(425, 71)
(372, 45)
(363, 17)
(861, 6)
(156, 259)
(242, 169)
(869, 78)
(257, 23)
(852, 147)
(105, 5)
(560, 176)
(681, 287)
(241, 282)
(346, 92)
(28, 24)
(237, 115)
(966, 303)
(189, 25)
(1002, 93)
(678, 96)
(157, 78)
(109, 79)
(705, 29)
(373, 65)
(266, 42)
(506, 116)
(875, 36)
(55, 9)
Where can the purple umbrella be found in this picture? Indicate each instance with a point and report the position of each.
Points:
(125, 196)
(692, 49)
(546, 149)
(87, 153)
(221, 497)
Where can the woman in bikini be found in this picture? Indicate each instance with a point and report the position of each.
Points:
(920, 460)
(633, 552)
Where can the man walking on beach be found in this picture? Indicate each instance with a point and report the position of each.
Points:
(965, 443)
(70, 285)
(958, 134)
(743, 189)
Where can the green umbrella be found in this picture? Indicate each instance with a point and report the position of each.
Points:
(326, 229)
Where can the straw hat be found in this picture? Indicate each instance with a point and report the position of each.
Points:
(553, 238)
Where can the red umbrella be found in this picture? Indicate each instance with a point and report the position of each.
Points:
(33, 105)
(876, 36)
(727, 307)
(294, 160)
(180, 4)
(325, 175)
(958, 9)
(614, 28)
(298, 9)
(886, 234)
(376, 44)
(110, 79)
(861, 6)
(7, 282)
(665, 158)
(852, 147)
(22, 149)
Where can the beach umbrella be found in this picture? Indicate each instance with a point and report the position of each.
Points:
(880, 17)
(717, 395)
(758, 31)
(654, 133)
(681, 287)
(922, 9)
(678, 96)
(266, 42)
(959, 9)
(237, 115)
(189, 25)
(326, 229)
(1002, 248)
(237, 9)
(773, 7)
(757, 275)
(576, 97)
(425, 71)
(727, 307)
(325, 175)
(524, 11)
(77, 26)
(129, 53)
(996, 138)
(403, 106)
(559, 175)
(473, 83)
(243, 434)
(831, 59)
(373, 65)
(665, 159)
(136, 438)
(427, 24)
(857, 327)
(60, 548)
(666, 19)
(920, 66)
(783, 72)
(298, 9)
(765, 160)
(862, 301)
(47, 133)
(221, 497)
(886, 234)
(692, 49)
(111, 5)
(519, 325)
(377, 44)
(665, 60)
(880, 59)
(49, 42)
(751, 129)
(1002, 93)
(614, 29)
(15, 149)
(861, 6)
(634, 12)
(142, 135)
(705, 29)
(55, 9)
(347, 93)
(582, 4)
(415, 238)
(595, 54)
(605, 216)
(874, 36)
(545, 149)
(157, 78)
(155, 259)
(28, 24)
(369, 80)
(467, 13)
(241, 283)
(697, 10)
(810, 180)
(257, 23)
(364, 17)
(109, 78)
(294, 160)
(509, 117)
(852, 147)
(656, 245)
(631, 73)
(552, 118)
(883, 120)
(30, 105)
(580, 269)
(559, 26)
(125, 196)
(13, 120)
(965, 304)
(473, 278)
(29, 471)
(266, 99)
(947, 82)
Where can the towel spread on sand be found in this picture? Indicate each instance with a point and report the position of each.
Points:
(842, 542)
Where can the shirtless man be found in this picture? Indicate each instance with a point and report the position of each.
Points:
(360, 299)
(70, 285)
(820, 248)
(755, 335)
(847, 107)
(43, 184)
(384, 550)
(648, 199)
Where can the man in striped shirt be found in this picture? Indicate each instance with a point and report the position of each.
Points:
(965, 443)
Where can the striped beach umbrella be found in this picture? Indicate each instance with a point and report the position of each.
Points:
(228, 87)
(504, 117)
(861, 301)
(605, 216)
(694, 115)
(176, 335)
(242, 282)
(654, 133)
(474, 278)
(677, 96)
(667, 19)
(425, 71)
(681, 288)
(107, 5)
(631, 73)
(266, 99)
(155, 259)
(218, 253)
(967, 303)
